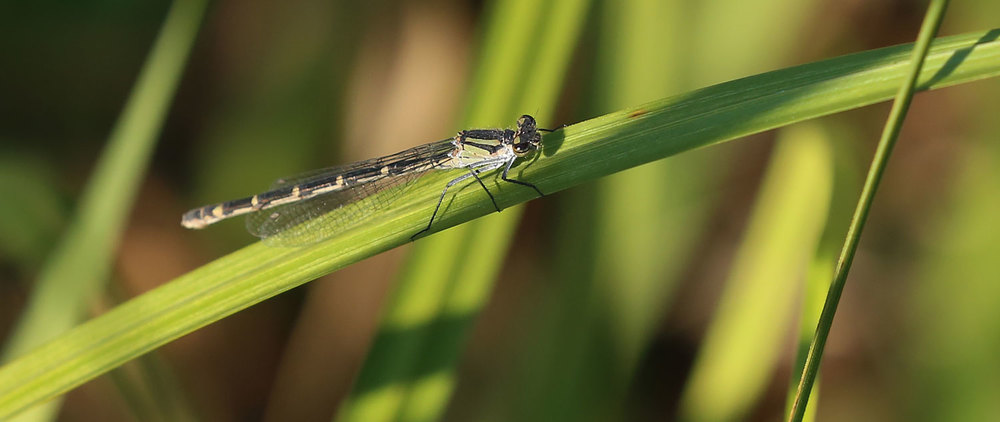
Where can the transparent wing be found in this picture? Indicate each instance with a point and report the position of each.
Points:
(426, 150)
(311, 220)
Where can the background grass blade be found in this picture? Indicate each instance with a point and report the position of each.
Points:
(599, 295)
(77, 270)
(745, 339)
(581, 152)
(410, 370)
(846, 184)
(626, 242)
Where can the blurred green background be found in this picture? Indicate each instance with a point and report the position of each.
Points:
(670, 291)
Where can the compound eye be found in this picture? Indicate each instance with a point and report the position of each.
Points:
(526, 122)
(522, 148)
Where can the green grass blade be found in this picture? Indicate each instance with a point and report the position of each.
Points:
(745, 337)
(846, 184)
(581, 152)
(409, 374)
(920, 54)
(78, 268)
(626, 238)
(636, 266)
(742, 346)
(608, 317)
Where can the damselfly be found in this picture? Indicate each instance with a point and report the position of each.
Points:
(317, 205)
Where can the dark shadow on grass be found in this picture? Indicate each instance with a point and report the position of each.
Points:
(957, 58)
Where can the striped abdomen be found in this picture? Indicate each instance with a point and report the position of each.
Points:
(204, 216)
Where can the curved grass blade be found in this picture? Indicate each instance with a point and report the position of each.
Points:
(579, 153)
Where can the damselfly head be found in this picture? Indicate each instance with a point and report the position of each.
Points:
(527, 137)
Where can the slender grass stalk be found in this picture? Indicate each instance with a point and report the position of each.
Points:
(932, 21)
(580, 153)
